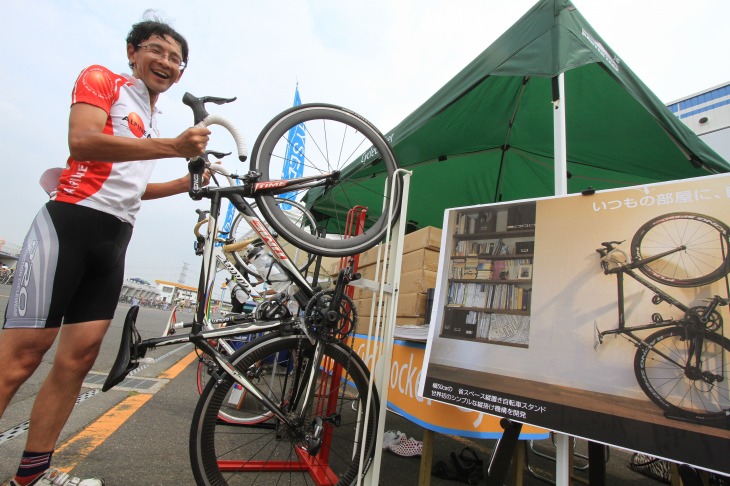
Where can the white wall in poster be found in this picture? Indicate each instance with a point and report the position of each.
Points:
(571, 292)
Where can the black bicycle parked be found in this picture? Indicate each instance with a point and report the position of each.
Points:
(682, 367)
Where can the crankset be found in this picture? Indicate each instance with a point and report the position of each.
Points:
(711, 322)
(330, 320)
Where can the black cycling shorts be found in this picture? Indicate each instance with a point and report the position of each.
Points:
(71, 268)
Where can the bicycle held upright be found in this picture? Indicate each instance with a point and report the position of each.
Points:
(683, 366)
(307, 394)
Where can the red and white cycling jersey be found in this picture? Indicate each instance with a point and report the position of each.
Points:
(112, 187)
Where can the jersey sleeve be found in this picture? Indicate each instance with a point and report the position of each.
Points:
(97, 86)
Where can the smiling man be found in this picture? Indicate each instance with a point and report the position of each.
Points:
(71, 268)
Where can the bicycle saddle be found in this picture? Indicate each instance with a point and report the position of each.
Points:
(128, 354)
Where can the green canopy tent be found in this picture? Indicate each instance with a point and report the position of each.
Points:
(488, 134)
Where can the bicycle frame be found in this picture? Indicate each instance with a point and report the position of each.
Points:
(211, 255)
(263, 233)
(628, 269)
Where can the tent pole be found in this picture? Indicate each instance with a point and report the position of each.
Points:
(562, 441)
(559, 136)
(505, 145)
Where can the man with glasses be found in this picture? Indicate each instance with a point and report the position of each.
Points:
(71, 268)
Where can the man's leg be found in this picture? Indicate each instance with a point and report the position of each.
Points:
(78, 347)
(21, 351)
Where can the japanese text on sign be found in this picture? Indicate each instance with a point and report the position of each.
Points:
(486, 402)
(669, 198)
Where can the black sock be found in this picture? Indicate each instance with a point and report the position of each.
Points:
(33, 464)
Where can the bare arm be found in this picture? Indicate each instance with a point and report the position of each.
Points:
(87, 141)
(156, 190)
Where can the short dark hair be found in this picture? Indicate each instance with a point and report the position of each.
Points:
(142, 31)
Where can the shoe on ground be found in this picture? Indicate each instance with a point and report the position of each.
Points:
(54, 477)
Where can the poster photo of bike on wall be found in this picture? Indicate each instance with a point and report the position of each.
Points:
(625, 341)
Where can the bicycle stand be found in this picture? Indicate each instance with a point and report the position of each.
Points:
(502, 455)
(317, 466)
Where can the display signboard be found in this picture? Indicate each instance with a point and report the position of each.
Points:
(597, 315)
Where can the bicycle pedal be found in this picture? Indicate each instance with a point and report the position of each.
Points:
(597, 339)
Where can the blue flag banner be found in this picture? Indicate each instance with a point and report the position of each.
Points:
(294, 157)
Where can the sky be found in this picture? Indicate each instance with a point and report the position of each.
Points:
(382, 59)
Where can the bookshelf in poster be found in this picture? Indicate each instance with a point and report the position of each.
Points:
(490, 275)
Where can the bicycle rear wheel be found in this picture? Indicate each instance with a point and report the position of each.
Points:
(334, 138)
(703, 260)
(269, 452)
(670, 377)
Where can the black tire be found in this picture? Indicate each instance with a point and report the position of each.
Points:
(679, 388)
(335, 138)
(704, 260)
(214, 443)
(240, 230)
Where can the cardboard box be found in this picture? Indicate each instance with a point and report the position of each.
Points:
(429, 237)
(412, 304)
(425, 238)
(417, 282)
(409, 305)
(425, 258)
(420, 261)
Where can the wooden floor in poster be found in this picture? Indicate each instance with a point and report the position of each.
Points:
(642, 410)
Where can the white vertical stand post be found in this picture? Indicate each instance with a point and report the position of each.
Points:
(390, 278)
(562, 441)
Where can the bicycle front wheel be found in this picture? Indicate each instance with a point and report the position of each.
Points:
(271, 452)
(298, 215)
(698, 246)
(667, 370)
(339, 141)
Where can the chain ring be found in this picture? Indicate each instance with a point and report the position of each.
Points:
(326, 325)
(713, 323)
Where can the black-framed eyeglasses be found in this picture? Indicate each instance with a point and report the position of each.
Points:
(159, 53)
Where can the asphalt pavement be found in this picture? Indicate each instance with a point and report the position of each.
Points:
(138, 434)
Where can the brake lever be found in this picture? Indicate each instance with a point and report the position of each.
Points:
(214, 153)
(198, 104)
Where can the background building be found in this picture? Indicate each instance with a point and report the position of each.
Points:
(136, 290)
(176, 293)
(9, 253)
(708, 114)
